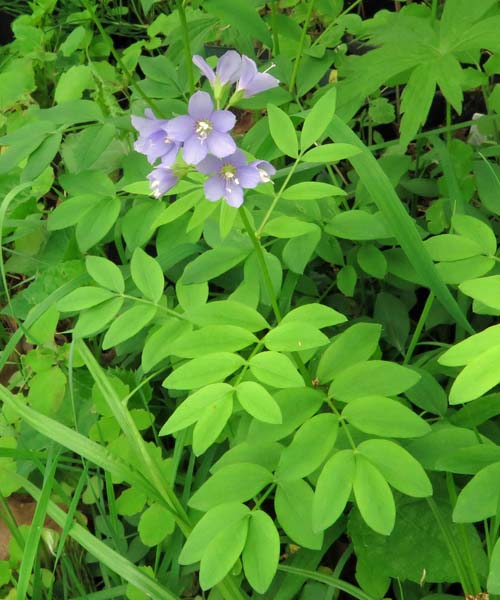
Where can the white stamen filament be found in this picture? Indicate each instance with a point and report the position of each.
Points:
(203, 128)
(264, 175)
(269, 68)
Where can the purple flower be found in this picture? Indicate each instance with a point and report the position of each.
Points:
(162, 179)
(265, 169)
(252, 82)
(230, 176)
(153, 140)
(203, 129)
(227, 71)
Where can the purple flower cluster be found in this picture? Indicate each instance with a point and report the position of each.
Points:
(202, 136)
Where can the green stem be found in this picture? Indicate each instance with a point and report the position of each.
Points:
(274, 13)
(276, 198)
(418, 329)
(448, 125)
(187, 44)
(301, 46)
(450, 543)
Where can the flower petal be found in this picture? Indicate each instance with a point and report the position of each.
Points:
(237, 158)
(214, 188)
(200, 106)
(161, 180)
(204, 67)
(248, 72)
(234, 196)
(194, 150)
(220, 144)
(209, 165)
(249, 177)
(170, 155)
(228, 67)
(180, 128)
(223, 120)
(260, 83)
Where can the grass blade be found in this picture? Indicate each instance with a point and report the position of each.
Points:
(384, 195)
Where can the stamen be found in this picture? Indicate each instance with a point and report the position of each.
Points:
(264, 175)
(271, 66)
(203, 128)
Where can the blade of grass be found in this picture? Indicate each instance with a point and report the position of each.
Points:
(114, 561)
(339, 584)
(384, 195)
(116, 592)
(454, 192)
(33, 539)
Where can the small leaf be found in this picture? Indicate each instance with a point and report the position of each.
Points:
(328, 153)
(95, 224)
(416, 100)
(275, 369)
(479, 376)
(128, 324)
(238, 482)
(312, 190)
(258, 402)
(318, 119)
(314, 314)
(262, 551)
(227, 312)
(213, 263)
(493, 584)
(147, 275)
(212, 338)
(292, 337)
(282, 131)
(479, 499)
(211, 424)
(333, 489)
(204, 370)
(155, 524)
(382, 416)
(374, 498)
(105, 273)
(83, 298)
(93, 320)
(310, 446)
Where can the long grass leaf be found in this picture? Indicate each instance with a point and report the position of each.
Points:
(384, 195)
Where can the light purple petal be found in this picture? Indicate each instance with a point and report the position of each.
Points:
(260, 83)
(228, 67)
(161, 180)
(223, 120)
(194, 150)
(200, 106)
(220, 144)
(180, 128)
(249, 177)
(214, 188)
(248, 72)
(204, 67)
(145, 127)
(209, 165)
(170, 155)
(234, 196)
(264, 165)
(237, 159)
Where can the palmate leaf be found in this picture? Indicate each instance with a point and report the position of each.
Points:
(383, 194)
(416, 100)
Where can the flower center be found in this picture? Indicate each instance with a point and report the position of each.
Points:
(264, 175)
(155, 185)
(228, 174)
(167, 140)
(203, 128)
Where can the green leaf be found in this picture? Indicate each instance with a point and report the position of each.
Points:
(222, 552)
(449, 246)
(258, 402)
(298, 251)
(310, 446)
(72, 83)
(398, 467)
(487, 177)
(147, 275)
(382, 416)
(82, 150)
(155, 524)
(242, 15)
(158, 345)
(373, 496)
(328, 153)
(193, 407)
(211, 423)
(293, 506)
(214, 521)
(105, 273)
(84, 297)
(213, 263)
(375, 377)
(275, 369)
(469, 349)
(93, 320)
(70, 211)
(356, 344)
(288, 227)
(282, 131)
(314, 314)
(333, 489)
(318, 119)
(292, 337)
(233, 483)
(358, 225)
(95, 224)
(312, 190)
(227, 312)
(201, 371)
(296, 405)
(262, 551)
(477, 231)
(416, 100)
(128, 324)
(483, 289)
(372, 261)
(493, 584)
(212, 338)
(479, 499)
(41, 158)
(478, 377)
